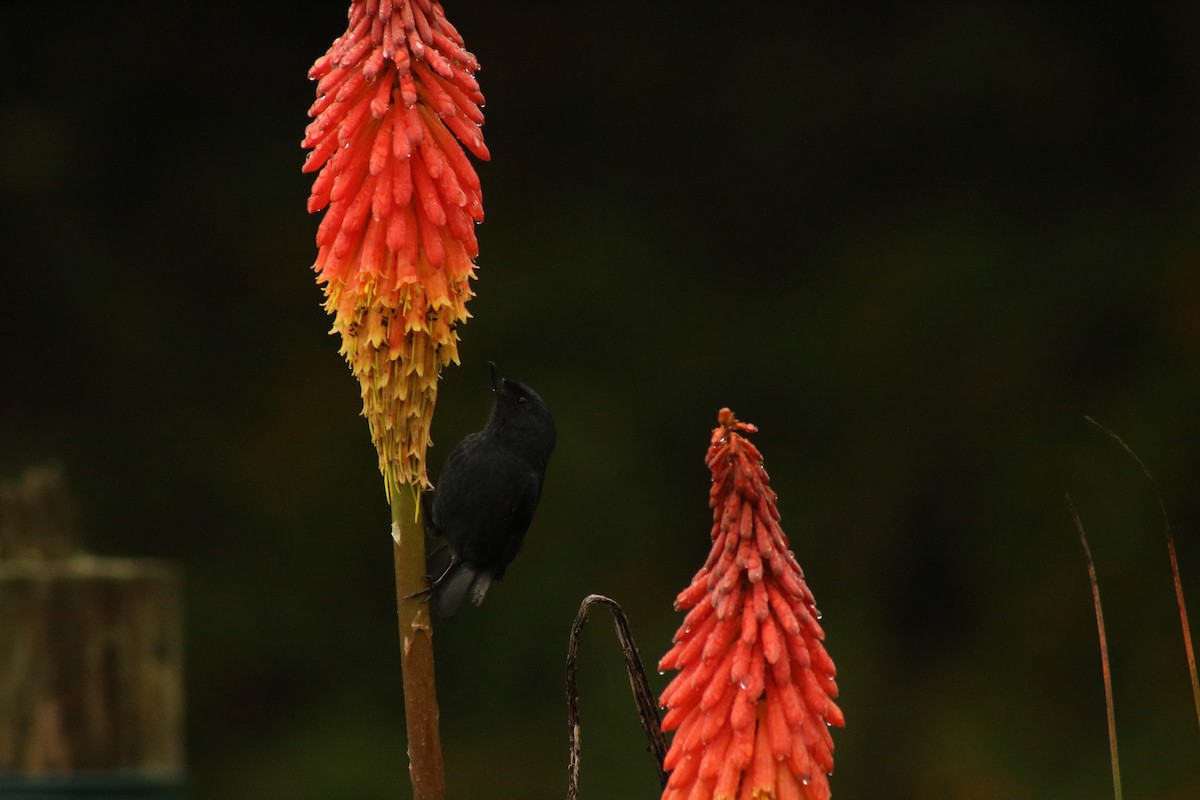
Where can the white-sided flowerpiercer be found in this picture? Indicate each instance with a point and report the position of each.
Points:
(486, 494)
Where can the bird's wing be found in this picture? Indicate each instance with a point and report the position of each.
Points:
(521, 510)
(484, 504)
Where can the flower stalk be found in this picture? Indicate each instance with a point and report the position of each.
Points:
(416, 647)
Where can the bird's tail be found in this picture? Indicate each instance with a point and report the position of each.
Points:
(454, 581)
(448, 594)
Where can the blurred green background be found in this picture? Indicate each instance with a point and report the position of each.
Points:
(914, 246)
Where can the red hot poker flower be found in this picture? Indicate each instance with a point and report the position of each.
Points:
(396, 94)
(753, 699)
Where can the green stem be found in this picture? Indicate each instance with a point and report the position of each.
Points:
(416, 646)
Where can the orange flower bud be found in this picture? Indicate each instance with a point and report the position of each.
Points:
(396, 103)
(753, 699)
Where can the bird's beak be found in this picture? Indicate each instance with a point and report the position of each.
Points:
(497, 378)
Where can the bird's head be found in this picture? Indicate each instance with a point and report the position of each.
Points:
(520, 418)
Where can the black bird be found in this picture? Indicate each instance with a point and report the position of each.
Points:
(487, 493)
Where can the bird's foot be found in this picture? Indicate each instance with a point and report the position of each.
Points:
(434, 582)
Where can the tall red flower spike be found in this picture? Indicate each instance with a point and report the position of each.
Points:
(753, 699)
(396, 246)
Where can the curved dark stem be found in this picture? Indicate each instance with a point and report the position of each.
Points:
(642, 696)
(1104, 664)
(1189, 651)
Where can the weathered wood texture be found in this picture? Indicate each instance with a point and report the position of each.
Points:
(91, 651)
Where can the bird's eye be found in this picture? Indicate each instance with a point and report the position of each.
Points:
(522, 399)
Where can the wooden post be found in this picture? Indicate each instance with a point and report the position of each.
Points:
(91, 654)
